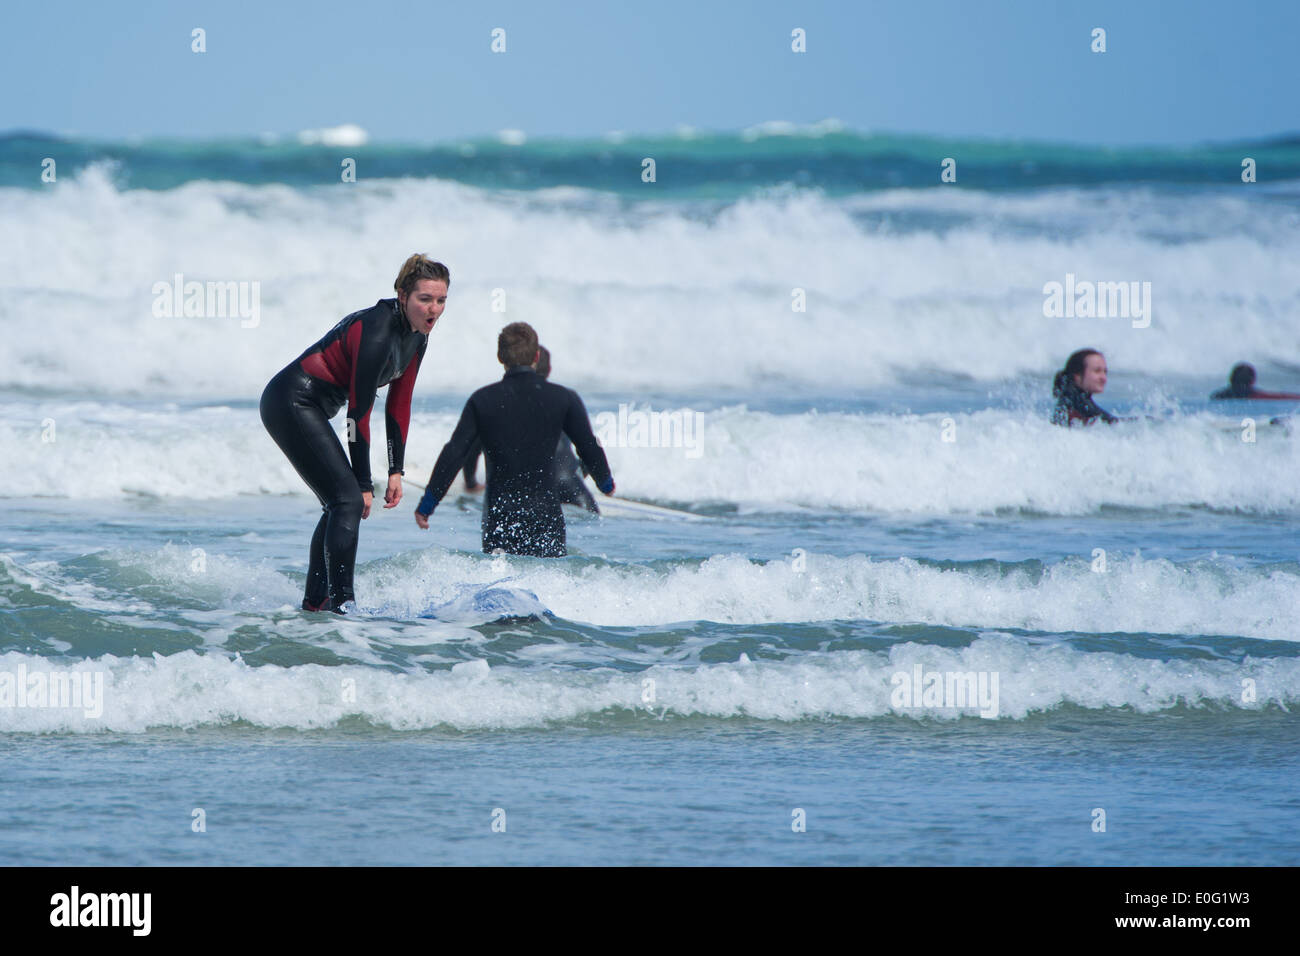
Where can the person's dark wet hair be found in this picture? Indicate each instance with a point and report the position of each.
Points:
(1074, 365)
(543, 361)
(517, 345)
(1242, 376)
(1073, 403)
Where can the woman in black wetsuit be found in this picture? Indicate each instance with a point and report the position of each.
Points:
(1084, 376)
(378, 346)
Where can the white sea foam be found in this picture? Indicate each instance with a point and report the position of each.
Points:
(653, 297)
(188, 690)
(872, 463)
(786, 128)
(348, 134)
(1133, 595)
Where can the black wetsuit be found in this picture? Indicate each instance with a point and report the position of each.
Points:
(470, 469)
(366, 350)
(519, 421)
(1074, 404)
(1250, 391)
(570, 489)
(1231, 392)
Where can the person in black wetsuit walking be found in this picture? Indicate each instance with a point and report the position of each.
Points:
(1084, 376)
(368, 349)
(570, 489)
(519, 420)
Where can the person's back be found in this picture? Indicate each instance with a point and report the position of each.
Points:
(519, 421)
(570, 489)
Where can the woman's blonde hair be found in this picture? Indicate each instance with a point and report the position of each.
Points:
(419, 267)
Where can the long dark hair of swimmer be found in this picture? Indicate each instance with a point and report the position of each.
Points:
(1074, 365)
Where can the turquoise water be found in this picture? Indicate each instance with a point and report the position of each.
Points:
(698, 164)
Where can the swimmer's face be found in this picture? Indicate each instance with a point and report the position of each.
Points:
(425, 304)
(1093, 379)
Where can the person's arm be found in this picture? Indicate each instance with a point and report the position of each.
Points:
(448, 463)
(397, 421)
(577, 425)
(1090, 410)
(1277, 396)
(470, 470)
(365, 345)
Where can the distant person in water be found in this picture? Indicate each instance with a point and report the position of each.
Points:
(569, 486)
(1084, 376)
(519, 420)
(1241, 384)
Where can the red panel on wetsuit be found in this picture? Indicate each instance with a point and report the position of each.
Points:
(330, 364)
(351, 352)
(398, 404)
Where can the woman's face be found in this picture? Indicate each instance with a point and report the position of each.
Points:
(425, 304)
(1093, 379)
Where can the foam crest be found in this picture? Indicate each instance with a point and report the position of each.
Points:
(639, 297)
(188, 690)
(1134, 595)
(859, 462)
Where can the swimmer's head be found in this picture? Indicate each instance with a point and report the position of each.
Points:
(421, 288)
(517, 345)
(1242, 375)
(1086, 368)
(543, 365)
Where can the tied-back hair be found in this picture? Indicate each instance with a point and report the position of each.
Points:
(417, 267)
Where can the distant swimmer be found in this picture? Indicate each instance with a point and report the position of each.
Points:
(1241, 384)
(569, 486)
(519, 421)
(378, 346)
(1084, 376)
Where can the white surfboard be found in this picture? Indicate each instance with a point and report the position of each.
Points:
(610, 507)
(1264, 424)
(617, 507)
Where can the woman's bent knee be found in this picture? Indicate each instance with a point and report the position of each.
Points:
(347, 504)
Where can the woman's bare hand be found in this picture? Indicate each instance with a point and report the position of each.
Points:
(394, 493)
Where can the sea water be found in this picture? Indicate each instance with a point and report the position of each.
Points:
(915, 623)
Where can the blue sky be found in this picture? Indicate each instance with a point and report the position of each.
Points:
(1174, 72)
